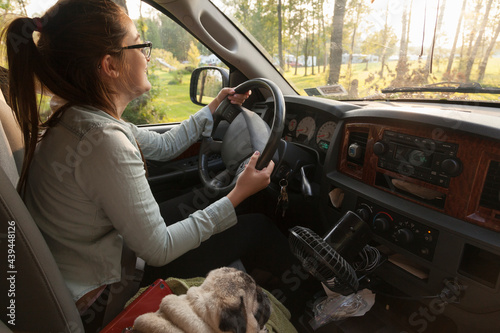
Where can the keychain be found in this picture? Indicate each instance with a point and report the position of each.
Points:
(283, 197)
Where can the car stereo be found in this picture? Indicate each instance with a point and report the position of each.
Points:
(421, 158)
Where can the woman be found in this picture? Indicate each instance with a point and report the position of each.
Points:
(84, 180)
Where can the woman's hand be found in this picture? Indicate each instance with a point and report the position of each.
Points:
(250, 180)
(231, 95)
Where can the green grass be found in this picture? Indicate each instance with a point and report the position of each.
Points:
(173, 104)
(300, 82)
(173, 99)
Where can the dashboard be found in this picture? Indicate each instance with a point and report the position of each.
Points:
(426, 178)
(313, 123)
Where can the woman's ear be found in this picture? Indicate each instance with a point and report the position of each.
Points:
(108, 67)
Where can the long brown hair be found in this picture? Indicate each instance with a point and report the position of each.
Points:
(74, 35)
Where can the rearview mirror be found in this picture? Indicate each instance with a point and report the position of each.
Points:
(206, 82)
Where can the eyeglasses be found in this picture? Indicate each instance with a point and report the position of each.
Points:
(145, 48)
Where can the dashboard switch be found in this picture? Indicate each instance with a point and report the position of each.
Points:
(404, 236)
(451, 167)
(381, 224)
(380, 148)
(364, 213)
(424, 251)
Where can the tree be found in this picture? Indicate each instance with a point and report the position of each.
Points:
(385, 41)
(357, 8)
(457, 34)
(439, 23)
(475, 49)
(373, 43)
(486, 56)
(280, 37)
(312, 37)
(292, 23)
(193, 55)
(260, 18)
(336, 41)
(402, 66)
(306, 44)
(475, 15)
(10, 6)
(298, 35)
(143, 28)
(322, 40)
(174, 38)
(153, 32)
(409, 24)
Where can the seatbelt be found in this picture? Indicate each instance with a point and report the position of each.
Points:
(120, 292)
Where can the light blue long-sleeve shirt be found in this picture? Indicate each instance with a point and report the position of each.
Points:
(88, 192)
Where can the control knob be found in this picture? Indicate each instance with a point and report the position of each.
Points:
(404, 235)
(380, 147)
(381, 224)
(363, 213)
(451, 167)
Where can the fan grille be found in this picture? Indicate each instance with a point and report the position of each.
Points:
(321, 260)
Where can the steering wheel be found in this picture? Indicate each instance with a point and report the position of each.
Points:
(247, 132)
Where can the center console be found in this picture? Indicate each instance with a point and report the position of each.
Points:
(399, 230)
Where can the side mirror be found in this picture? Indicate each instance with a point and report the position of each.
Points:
(206, 82)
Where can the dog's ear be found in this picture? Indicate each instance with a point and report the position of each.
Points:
(264, 308)
(234, 319)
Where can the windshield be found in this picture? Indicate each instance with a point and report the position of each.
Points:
(379, 49)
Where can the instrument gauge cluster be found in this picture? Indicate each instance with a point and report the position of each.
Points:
(305, 129)
(310, 131)
(325, 134)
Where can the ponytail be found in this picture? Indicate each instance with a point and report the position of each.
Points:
(23, 58)
(74, 35)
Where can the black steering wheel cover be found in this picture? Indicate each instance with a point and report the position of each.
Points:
(222, 113)
(278, 121)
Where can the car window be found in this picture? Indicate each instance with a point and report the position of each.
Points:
(378, 49)
(174, 55)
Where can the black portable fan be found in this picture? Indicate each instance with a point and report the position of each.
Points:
(327, 258)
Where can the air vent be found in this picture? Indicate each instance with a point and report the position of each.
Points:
(357, 147)
(490, 197)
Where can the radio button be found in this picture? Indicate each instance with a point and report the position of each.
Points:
(451, 167)
(380, 148)
(443, 182)
(450, 148)
(424, 251)
(406, 170)
(429, 145)
(390, 133)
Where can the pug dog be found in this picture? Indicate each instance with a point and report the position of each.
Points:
(228, 301)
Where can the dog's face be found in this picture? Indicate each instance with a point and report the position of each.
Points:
(230, 301)
(227, 301)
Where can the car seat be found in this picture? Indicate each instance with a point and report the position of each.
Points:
(33, 290)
